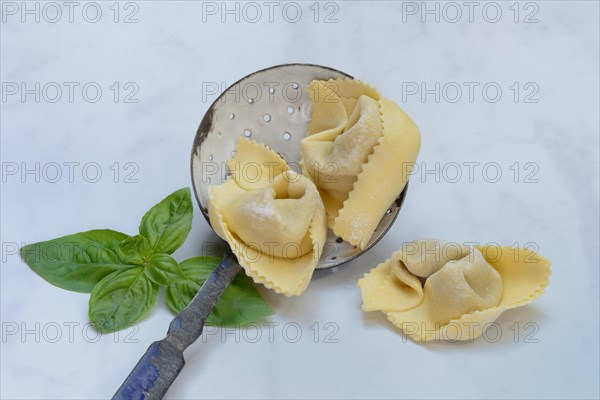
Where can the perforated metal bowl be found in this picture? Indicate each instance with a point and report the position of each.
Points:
(271, 106)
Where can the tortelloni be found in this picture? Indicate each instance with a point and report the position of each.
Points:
(359, 151)
(434, 290)
(272, 218)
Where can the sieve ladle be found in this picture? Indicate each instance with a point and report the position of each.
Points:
(270, 106)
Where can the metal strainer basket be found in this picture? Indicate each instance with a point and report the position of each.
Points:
(273, 107)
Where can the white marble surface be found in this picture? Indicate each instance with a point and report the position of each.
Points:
(169, 53)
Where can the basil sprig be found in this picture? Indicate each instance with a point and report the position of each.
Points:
(123, 273)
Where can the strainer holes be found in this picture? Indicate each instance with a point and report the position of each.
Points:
(271, 90)
(290, 110)
(339, 240)
(250, 100)
(287, 136)
(247, 133)
(231, 116)
(219, 134)
(210, 157)
(295, 86)
(389, 211)
(267, 118)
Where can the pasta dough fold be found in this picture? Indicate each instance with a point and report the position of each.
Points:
(434, 290)
(272, 218)
(359, 151)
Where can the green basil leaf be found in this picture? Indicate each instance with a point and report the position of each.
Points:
(167, 224)
(135, 250)
(163, 270)
(121, 299)
(240, 304)
(77, 262)
(196, 270)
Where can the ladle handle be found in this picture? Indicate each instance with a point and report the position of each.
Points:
(159, 366)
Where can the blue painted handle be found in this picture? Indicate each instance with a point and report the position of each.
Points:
(162, 362)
